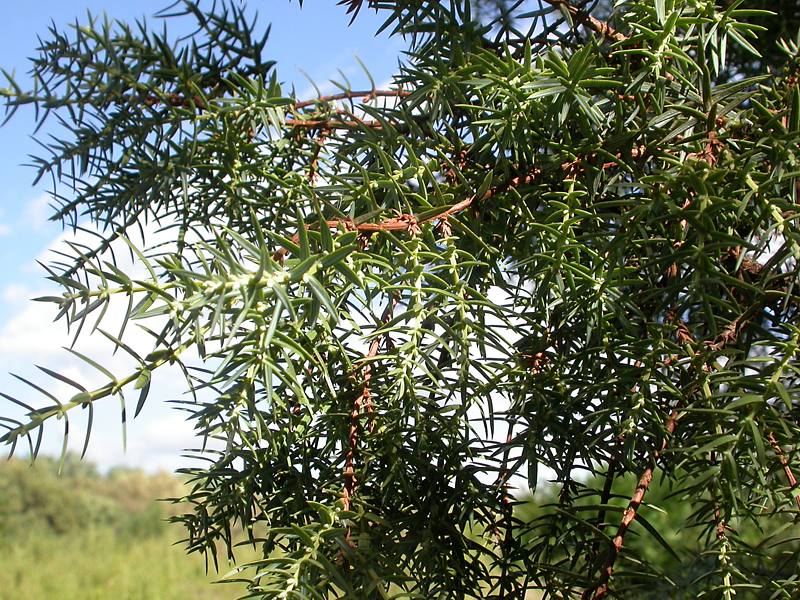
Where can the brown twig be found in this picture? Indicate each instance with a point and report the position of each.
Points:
(349, 463)
(787, 469)
(371, 353)
(584, 18)
(362, 400)
(366, 96)
(411, 222)
(351, 123)
(629, 514)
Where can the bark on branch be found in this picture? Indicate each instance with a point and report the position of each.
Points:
(587, 20)
(362, 401)
(629, 514)
(787, 469)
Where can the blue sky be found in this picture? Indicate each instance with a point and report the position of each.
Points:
(315, 39)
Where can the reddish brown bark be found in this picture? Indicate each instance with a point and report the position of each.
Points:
(629, 514)
(787, 469)
(362, 401)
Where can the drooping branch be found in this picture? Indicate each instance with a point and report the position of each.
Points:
(349, 464)
(630, 513)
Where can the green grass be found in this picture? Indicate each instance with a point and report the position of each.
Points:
(100, 565)
(83, 535)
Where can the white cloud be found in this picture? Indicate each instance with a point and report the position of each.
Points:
(17, 292)
(38, 212)
(5, 229)
(32, 333)
(154, 444)
(156, 438)
(30, 337)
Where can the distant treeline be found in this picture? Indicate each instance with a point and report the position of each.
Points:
(35, 498)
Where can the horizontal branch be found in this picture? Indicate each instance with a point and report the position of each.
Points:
(584, 18)
(352, 121)
(38, 417)
(365, 96)
(411, 222)
(329, 124)
(199, 103)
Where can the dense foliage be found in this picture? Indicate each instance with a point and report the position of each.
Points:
(556, 247)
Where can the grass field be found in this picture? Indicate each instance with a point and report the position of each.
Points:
(100, 565)
(83, 535)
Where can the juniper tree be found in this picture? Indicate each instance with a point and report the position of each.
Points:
(557, 248)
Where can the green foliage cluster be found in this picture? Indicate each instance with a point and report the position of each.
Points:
(681, 562)
(557, 247)
(780, 20)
